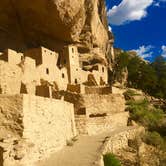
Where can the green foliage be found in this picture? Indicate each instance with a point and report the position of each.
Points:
(129, 94)
(122, 60)
(111, 160)
(160, 67)
(141, 75)
(152, 119)
(150, 77)
(145, 114)
(155, 139)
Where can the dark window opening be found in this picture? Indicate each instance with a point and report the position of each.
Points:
(72, 50)
(22, 57)
(76, 69)
(97, 115)
(47, 71)
(103, 69)
(81, 111)
(63, 75)
(76, 81)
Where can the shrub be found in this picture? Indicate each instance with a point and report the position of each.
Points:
(145, 114)
(129, 94)
(111, 160)
(155, 139)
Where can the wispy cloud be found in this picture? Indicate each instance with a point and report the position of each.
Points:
(128, 10)
(158, 3)
(163, 48)
(144, 51)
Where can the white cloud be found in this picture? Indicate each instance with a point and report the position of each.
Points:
(109, 28)
(128, 10)
(158, 3)
(163, 51)
(144, 51)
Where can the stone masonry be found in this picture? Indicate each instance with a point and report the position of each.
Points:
(48, 98)
(45, 124)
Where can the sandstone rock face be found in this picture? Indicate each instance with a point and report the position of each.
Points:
(52, 23)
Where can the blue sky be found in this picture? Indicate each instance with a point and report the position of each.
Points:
(139, 25)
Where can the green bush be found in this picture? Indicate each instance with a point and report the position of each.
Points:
(129, 94)
(111, 160)
(155, 139)
(145, 114)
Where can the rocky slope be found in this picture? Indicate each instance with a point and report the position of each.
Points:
(53, 23)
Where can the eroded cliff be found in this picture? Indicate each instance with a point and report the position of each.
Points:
(53, 23)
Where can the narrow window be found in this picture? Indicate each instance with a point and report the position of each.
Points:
(103, 69)
(22, 57)
(47, 71)
(72, 50)
(63, 75)
(76, 81)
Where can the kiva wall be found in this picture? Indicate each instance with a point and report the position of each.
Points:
(95, 125)
(45, 123)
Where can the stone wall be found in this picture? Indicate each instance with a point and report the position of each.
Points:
(98, 124)
(98, 90)
(78, 88)
(10, 78)
(46, 124)
(120, 140)
(96, 103)
(111, 103)
(11, 115)
(81, 124)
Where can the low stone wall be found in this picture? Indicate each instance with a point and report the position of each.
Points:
(120, 140)
(111, 103)
(48, 123)
(42, 122)
(98, 90)
(95, 103)
(76, 88)
(81, 124)
(96, 125)
(110, 122)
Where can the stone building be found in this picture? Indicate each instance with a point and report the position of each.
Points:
(38, 70)
(48, 98)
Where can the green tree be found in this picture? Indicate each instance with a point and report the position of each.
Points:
(159, 66)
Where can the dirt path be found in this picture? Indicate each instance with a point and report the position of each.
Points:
(84, 152)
